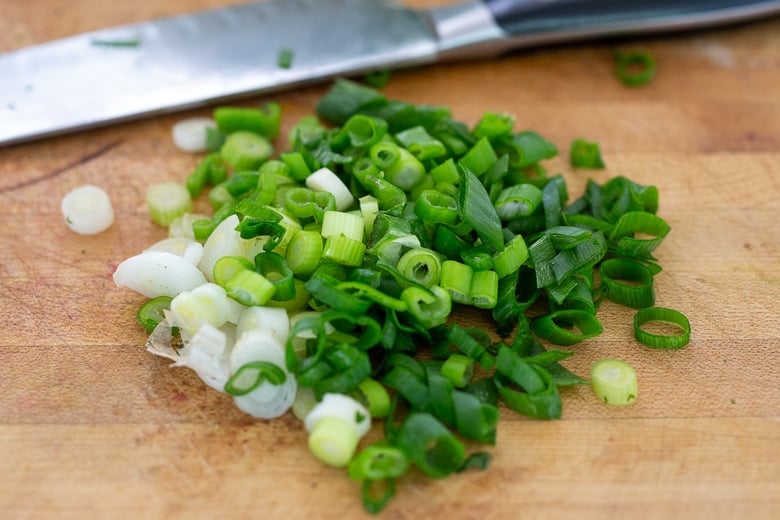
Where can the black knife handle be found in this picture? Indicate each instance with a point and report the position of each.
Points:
(584, 18)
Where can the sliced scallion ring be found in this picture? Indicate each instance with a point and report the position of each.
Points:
(628, 282)
(567, 326)
(614, 381)
(667, 316)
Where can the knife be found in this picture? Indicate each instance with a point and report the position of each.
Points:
(213, 56)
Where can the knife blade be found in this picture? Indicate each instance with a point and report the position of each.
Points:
(185, 61)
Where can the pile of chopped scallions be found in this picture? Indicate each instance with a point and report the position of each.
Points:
(324, 279)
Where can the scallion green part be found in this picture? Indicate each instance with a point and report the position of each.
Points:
(253, 374)
(284, 59)
(151, 313)
(585, 154)
(634, 68)
(674, 328)
(264, 121)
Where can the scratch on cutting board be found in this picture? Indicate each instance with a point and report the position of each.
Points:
(62, 169)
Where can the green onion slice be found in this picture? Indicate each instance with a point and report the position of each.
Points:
(430, 445)
(151, 313)
(628, 282)
(567, 326)
(634, 68)
(378, 461)
(614, 381)
(662, 340)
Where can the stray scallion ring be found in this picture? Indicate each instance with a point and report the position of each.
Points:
(634, 68)
(628, 282)
(614, 381)
(551, 326)
(657, 340)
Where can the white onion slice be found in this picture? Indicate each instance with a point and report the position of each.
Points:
(87, 210)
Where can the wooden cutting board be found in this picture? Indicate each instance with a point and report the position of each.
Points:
(92, 426)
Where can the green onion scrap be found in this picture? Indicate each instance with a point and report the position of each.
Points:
(348, 251)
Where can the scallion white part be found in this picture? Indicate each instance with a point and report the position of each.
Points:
(166, 201)
(369, 208)
(305, 401)
(158, 273)
(189, 134)
(208, 354)
(186, 248)
(223, 241)
(270, 319)
(267, 401)
(206, 304)
(87, 210)
(182, 226)
(342, 407)
(325, 180)
(335, 426)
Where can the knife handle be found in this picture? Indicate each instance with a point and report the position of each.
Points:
(478, 28)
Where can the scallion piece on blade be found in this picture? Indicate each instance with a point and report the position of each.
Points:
(133, 41)
(673, 328)
(613, 381)
(284, 59)
(244, 150)
(634, 68)
(167, 201)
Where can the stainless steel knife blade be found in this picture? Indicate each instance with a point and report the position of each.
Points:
(212, 56)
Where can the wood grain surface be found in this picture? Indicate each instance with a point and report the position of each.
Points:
(93, 426)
